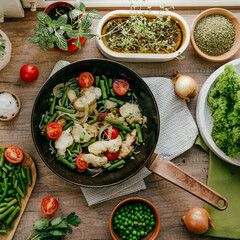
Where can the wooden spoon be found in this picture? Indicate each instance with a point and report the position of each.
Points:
(27, 162)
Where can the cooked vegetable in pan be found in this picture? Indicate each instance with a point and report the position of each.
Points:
(13, 180)
(93, 123)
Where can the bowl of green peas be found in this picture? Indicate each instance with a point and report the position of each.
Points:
(134, 219)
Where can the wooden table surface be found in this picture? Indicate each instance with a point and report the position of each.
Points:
(171, 201)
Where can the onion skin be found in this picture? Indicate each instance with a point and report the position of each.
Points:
(185, 86)
(197, 220)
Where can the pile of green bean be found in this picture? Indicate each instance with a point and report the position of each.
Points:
(13, 180)
(61, 105)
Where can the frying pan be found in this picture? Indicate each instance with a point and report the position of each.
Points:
(146, 157)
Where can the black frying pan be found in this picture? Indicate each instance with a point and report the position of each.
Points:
(146, 157)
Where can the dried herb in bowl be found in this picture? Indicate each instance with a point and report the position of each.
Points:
(214, 34)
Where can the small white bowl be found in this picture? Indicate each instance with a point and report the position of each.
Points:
(142, 57)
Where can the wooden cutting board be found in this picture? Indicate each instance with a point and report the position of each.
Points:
(27, 162)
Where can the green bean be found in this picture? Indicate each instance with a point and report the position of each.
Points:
(23, 173)
(4, 169)
(89, 143)
(110, 82)
(0, 172)
(29, 178)
(8, 199)
(64, 96)
(15, 184)
(77, 92)
(97, 79)
(92, 121)
(106, 84)
(103, 89)
(3, 231)
(13, 202)
(66, 102)
(4, 214)
(20, 191)
(63, 109)
(23, 187)
(73, 85)
(18, 199)
(78, 147)
(114, 121)
(67, 117)
(75, 151)
(52, 106)
(122, 127)
(115, 165)
(119, 102)
(12, 191)
(66, 163)
(4, 175)
(139, 133)
(10, 218)
(4, 204)
(5, 181)
(2, 156)
(122, 136)
(8, 167)
(68, 125)
(113, 93)
(72, 146)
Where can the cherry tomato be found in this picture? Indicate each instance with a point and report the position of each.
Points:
(81, 164)
(49, 205)
(111, 156)
(14, 154)
(112, 134)
(29, 73)
(120, 86)
(86, 79)
(54, 130)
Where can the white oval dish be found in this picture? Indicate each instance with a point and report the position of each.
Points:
(142, 57)
(8, 50)
(204, 117)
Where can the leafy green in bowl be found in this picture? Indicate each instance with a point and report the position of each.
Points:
(224, 101)
(2, 47)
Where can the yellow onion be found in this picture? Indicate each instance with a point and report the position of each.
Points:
(197, 220)
(185, 86)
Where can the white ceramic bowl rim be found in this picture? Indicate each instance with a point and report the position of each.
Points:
(135, 55)
(8, 50)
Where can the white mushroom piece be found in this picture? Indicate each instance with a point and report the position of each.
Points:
(63, 142)
(131, 113)
(103, 146)
(127, 145)
(96, 161)
(83, 133)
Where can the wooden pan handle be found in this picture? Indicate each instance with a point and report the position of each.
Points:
(166, 169)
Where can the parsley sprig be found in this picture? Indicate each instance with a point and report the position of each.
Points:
(55, 229)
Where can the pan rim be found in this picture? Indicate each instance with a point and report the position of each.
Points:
(157, 128)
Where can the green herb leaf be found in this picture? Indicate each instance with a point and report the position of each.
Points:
(34, 39)
(94, 14)
(78, 44)
(56, 221)
(69, 229)
(66, 27)
(62, 20)
(88, 34)
(73, 219)
(40, 225)
(73, 34)
(50, 44)
(75, 13)
(86, 22)
(42, 44)
(79, 5)
(41, 16)
(61, 42)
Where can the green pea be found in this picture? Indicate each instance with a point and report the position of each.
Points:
(152, 224)
(69, 159)
(149, 210)
(45, 120)
(81, 138)
(124, 132)
(130, 222)
(150, 229)
(121, 227)
(124, 237)
(142, 233)
(130, 228)
(134, 232)
(114, 112)
(125, 223)
(152, 216)
(144, 224)
(146, 216)
(127, 232)
(118, 225)
(147, 222)
(119, 216)
(129, 94)
(138, 234)
(145, 234)
(103, 102)
(50, 99)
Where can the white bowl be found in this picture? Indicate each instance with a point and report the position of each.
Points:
(204, 114)
(142, 57)
(8, 50)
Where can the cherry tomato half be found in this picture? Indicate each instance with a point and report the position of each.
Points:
(14, 154)
(120, 86)
(29, 73)
(81, 164)
(86, 79)
(111, 133)
(49, 205)
(54, 130)
(111, 156)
